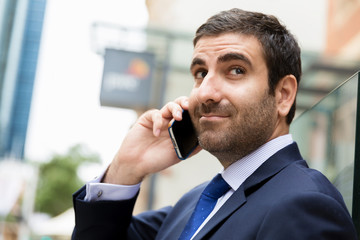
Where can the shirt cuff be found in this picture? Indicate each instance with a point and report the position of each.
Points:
(97, 191)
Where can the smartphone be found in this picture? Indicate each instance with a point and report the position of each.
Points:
(183, 136)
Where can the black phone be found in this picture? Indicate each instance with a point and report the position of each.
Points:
(183, 136)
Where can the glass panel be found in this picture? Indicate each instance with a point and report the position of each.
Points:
(326, 136)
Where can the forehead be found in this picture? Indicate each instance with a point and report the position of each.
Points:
(209, 47)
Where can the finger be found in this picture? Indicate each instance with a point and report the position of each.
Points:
(157, 122)
(183, 101)
(172, 110)
(152, 119)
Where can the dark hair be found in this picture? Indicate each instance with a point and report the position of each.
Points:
(280, 48)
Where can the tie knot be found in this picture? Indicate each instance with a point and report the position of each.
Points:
(217, 187)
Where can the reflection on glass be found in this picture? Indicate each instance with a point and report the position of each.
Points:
(326, 136)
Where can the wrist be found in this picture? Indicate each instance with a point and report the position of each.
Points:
(121, 175)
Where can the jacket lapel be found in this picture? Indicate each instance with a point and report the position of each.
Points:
(268, 169)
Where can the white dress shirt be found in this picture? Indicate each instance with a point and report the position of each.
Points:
(234, 175)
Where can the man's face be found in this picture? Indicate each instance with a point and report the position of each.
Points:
(230, 104)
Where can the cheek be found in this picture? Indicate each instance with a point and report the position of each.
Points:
(245, 93)
(240, 96)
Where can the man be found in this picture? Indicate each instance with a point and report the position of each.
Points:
(246, 69)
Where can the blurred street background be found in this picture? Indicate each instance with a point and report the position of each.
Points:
(75, 75)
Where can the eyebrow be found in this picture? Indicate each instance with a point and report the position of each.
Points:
(234, 56)
(196, 61)
(224, 58)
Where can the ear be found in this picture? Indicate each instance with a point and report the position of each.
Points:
(285, 94)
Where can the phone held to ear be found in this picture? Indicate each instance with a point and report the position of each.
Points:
(183, 136)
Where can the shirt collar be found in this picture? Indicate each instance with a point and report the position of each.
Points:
(240, 170)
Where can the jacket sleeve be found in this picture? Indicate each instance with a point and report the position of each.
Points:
(113, 220)
(311, 215)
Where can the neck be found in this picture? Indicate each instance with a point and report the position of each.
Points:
(227, 158)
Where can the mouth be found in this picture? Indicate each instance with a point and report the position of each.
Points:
(212, 117)
(213, 112)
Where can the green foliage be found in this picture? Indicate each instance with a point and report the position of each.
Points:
(58, 180)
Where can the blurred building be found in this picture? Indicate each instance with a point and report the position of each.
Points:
(340, 58)
(343, 29)
(21, 24)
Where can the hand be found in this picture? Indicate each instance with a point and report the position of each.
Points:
(147, 148)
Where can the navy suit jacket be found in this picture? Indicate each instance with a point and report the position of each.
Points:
(282, 199)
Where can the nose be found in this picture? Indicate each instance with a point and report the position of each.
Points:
(209, 90)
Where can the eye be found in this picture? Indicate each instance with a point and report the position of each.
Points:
(237, 71)
(200, 74)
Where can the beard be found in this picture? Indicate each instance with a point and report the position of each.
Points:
(246, 129)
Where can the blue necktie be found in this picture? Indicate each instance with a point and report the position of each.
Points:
(215, 189)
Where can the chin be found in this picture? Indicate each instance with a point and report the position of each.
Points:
(212, 141)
